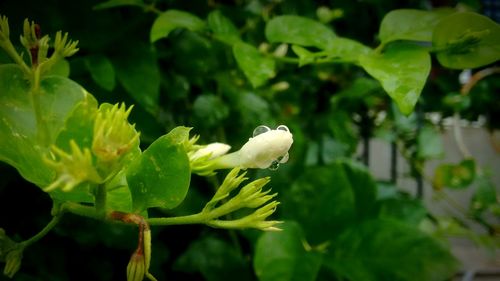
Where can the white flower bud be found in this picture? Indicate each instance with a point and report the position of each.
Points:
(263, 150)
(212, 150)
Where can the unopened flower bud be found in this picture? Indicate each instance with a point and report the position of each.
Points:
(136, 267)
(265, 149)
(72, 168)
(113, 134)
(13, 261)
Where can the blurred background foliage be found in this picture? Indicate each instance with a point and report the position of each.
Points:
(341, 224)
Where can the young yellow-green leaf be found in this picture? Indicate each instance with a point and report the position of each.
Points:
(466, 40)
(454, 176)
(60, 68)
(160, 176)
(402, 70)
(407, 24)
(172, 19)
(22, 141)
(256, 67)
(223, 28)
(282, 256)
(102, 71)
(300, 31)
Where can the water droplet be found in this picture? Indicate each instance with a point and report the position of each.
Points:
(260, 130)
(274, 166)
(283, 128)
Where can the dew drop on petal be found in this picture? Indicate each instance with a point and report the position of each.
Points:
(260, 130)
(283, 128)
(274, 166)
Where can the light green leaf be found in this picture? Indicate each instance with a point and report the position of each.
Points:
(281, 256)
(334, 195)
(172, 19)
(101, 70)
(223, 28)
(256, 67)
(429, 143)
(402, 70)
(160, 176)
(383, 249)
(22, 142)
(466, 40)
(300, 31)
(118, 3)
(346, 49)
(60, 68)
(138, 72)
(407, 24)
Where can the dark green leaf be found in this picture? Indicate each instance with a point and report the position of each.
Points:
(281, 256)
(118, 3)
(335, 196)
(388, 250)
(459, 175)
(408, 210)
(300, 31)
(256, 67)
(210, 110)
(223, 28)
(172, 19)
(402, 70)
(215, 259)
(101, 70)
(160, 176)
(138, 72)
(467, 40)
(407, 24)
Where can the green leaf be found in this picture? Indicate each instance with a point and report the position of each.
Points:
(334, 195)
(459, 175)
(429, 143)
(160, 176)
(281, 256)
(210, 110)
(402, 70)
(101, 70)
(346, 49)
(138, 72)
(466, 40)
(118, 3)
(215, 259)
(60, 68)
(388, 250)
(407, 24)
(256, 67)
(223, 28)
(407, 210)
(172, 19)
(22, 142)
(300, 31)
(485, 197)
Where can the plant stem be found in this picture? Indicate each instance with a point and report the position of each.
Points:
(11, 51)
(84, 211)
(189, 219)
(100, 194)
(53, 222)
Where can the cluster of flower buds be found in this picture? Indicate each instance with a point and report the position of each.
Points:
(250, 196)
